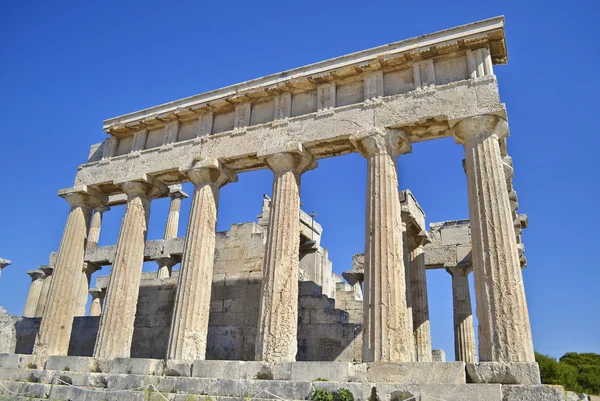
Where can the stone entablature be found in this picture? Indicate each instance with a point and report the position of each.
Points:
(422, 85)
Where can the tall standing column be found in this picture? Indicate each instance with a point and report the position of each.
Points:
(97, 301)
(88, 268)
(276, 340)
(166, 264)
(45, 292)
(116, 323)
(35, 290)
(465, 348)
(504, 330)
(57, 319)
(189, 327)
(387, 329)
(420, 303)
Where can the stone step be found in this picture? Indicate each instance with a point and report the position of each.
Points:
(176, 387)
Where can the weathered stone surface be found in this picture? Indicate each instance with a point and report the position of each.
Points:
(35, 290)
(416, 372)
(387, 328)
(532, 393)
(189, 327)
(420, 303)
(465, 348)
(8, 334)
(438, 355)
(278, 316)
(45, 292)
(72, 363)
(3, 264)
(135, 366)
(57, 319)
(117, 320)
(504, 329)
(504, 372)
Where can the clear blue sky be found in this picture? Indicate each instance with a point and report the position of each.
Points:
(67, 66)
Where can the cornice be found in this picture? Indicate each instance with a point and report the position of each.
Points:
(489, 33)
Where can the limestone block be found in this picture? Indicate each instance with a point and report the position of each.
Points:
(175, 367)
(72, 363)
(532, 393)
(311, 371)
(504, 372)
(240, 369)
(33, 390)
(136, 366)
(20, 361)
(8, 333)
(417, 372)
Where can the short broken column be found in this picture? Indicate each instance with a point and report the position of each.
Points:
(387, 329)
(465, 348)
(97, 301)
(189, 326)
(115, 333)
(57, 320)
(35, 290)
(276, 340)
(420, 303)
(504, 329)
(166, 264)
(48, 270)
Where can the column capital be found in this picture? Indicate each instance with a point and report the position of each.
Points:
(292, 156)
(146, 186)
(176, 192)
(419, 240)
(101, 208)
(374, 141)
(459, 271)
(97, 292)
(481, 127)
(91, 267)
(35, 274)
(48, 270)
(82, 195)
(210, 171)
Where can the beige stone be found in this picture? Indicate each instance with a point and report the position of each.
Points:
(504, 330)
(387, 328)
(35, 289)
(189, 327)
(116, 324)
(465, 348)
(278, 315)
(97, 301)
(420, 303)
(3, 264)
(57, 319)
(166, 264)
(48, 275)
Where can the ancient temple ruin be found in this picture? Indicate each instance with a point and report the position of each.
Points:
(261, 301)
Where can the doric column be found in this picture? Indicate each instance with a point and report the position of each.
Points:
(420, 303)
(48, 270)
(387, 329)
(116, 323)
(276, 340)
(97, 301)
(95, 226)
(57, 319)
(504, 330)
(166, 264)
(189, 327)
(35, 290)
(464, 331)
(84, 286)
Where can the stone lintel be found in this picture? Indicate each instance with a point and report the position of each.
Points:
(412, 214)
(157, 188)
(99, 197)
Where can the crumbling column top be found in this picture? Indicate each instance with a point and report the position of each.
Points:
(4, 263)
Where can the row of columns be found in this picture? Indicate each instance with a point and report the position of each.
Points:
(391, 329)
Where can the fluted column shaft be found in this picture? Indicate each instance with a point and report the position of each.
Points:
(189, 326)
(465, 348)
(387, 322)
(504, 330)
(88, 270)
(276, 340)
(420, 303)
(97, 301)
(116, 324)
(166, 264)
(35, 290)
(41, 305)
(57, 319)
